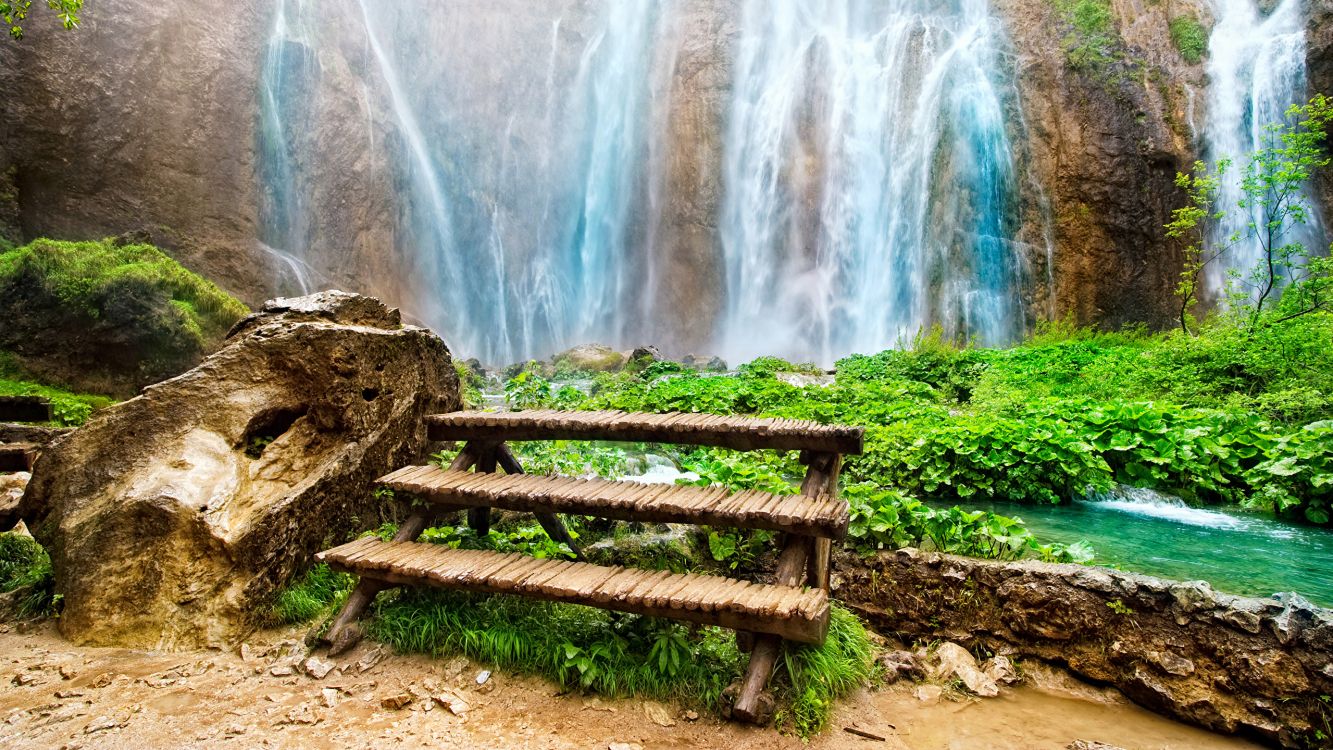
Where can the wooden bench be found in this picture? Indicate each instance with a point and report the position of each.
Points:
(20, 456)
(795, 607)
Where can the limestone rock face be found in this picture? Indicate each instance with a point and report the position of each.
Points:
(172, 518)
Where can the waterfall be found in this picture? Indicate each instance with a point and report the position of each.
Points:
(289, 67)
(1256, 70)
(870, 183)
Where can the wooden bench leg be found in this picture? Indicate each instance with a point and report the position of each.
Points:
(344, 633)
(551, 523)
(803, 559)
(480, 518)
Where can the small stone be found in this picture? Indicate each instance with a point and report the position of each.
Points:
(1001, 670)
(956, 661)
(101, 680)
(23, 679)
(899, 664)
(317, 667)
(302, 714)
(658, 714)
(66, 694)
(1090, 745)
(282, 670)
(397, 702)
(246, 653)
(67, 672)
(451, 701)
(103, 723)
(330, 696)
(624, 746)
(691, 715)
(928, 693)
(367, 662)
(236, 729)
(483, 677)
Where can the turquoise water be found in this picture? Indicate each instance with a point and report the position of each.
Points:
(1238, 553)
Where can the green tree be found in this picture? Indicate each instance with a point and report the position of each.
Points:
(15, 12)
(1286, 281)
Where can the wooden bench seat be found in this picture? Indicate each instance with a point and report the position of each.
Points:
(795, 613)
(824, 515)
(737, 433)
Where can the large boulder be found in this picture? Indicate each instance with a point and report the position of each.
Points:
(587, 358)
(172, 518)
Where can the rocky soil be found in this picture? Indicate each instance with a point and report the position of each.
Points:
(56, 695)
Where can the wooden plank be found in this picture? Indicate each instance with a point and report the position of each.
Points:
(764, 608)
(737, 433)
(824, 515)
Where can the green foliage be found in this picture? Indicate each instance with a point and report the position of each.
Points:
(819, 675)
(319, 591)
(529, 539)
(1190, 38)
(470, 383)
(25, 567)
(619, 655)
(577, 647)
(1296, 476)
(15, 12)
(123, 312)
(68, 409)
(889, 519)
(1287, 282)
(1092, 43)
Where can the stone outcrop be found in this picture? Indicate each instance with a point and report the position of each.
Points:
(172, 518)
(1253, 667)
(590, 358)
(1105, 142)
(142, 119)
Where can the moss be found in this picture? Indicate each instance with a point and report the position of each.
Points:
(1190, 38)
(82, 313)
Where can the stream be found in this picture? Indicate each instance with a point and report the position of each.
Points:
(1147, 532)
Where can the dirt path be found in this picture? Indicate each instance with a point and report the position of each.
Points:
(54, 695)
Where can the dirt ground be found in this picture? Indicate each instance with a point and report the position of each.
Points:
(54, 695)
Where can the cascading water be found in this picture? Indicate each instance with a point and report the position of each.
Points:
(870, 181)
(1256, 70)
(522, 237)
(289, 67)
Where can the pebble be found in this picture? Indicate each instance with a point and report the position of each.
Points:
(397, 702)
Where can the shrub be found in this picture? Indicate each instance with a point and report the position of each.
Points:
(25, 568)
(89, 314)
(1190, 38)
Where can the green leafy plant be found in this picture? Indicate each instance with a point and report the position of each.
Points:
(26, 568)
(15, 12)
(319, 591)
(1190, 38)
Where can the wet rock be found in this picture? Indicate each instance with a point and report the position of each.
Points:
(928, 693)
(956, 661)
(1216, 670)
(901, 664)
(643, 356)
(589, 358)
(1000, 669)
(704, 363)
(172, 518)
(11, 492)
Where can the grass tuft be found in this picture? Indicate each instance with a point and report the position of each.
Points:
(319, 591)
(26, 568)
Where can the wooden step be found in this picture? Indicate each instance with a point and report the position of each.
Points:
(17, 456)
(792, 613)
(823, 516)
(25, 409)
(737, 433)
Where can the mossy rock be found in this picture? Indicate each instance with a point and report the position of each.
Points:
(107, 316)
